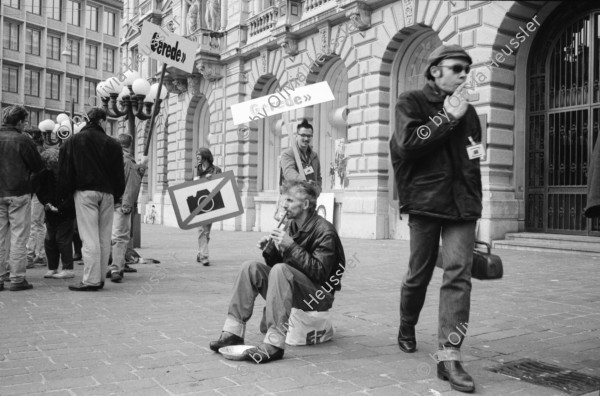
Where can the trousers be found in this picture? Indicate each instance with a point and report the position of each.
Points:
(35, 244)
(458, 239)
(283, 287)
(121, 228)
(58, 241)
(203, 239)
(15, 218)
(94, 220)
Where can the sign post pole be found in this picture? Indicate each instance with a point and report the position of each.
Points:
(155, 109)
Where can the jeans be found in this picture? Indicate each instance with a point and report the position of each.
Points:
(58, 241)
(94, 220)
(283, 288)
(458, 239)
(4, 252)
(15, 217)
(35, 245)
(203, 239)
(120, 239)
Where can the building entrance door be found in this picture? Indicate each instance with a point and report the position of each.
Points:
(563, 119)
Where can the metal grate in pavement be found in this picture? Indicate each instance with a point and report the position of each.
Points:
(538, 373)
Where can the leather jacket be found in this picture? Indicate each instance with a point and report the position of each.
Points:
(434, 174)
(19, 161)
(317, 252)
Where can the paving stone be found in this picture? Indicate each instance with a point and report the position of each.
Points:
(149, 335)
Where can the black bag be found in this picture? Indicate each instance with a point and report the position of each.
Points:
(485, 264)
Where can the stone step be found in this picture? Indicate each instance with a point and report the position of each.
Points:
(550, 245)
(535, 236)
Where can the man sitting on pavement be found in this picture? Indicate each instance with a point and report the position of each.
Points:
(307, 262)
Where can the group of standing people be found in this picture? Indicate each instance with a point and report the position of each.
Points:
(91, 177)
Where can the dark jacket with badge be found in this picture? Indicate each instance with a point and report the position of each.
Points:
(433, 172)
(19, 160)
(317, 252)
(92, 160)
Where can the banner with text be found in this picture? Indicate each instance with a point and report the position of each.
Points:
(281, 102)
(167, 47)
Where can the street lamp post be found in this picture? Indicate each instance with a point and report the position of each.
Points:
(135, 95)
(131, 98)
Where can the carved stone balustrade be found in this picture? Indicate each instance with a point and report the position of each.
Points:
(263, 21)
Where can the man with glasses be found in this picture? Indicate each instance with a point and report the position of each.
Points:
(439, 186)
(19, 160)
(307, 156)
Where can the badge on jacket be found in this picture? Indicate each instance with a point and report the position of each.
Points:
(309, 170)
(475, 150)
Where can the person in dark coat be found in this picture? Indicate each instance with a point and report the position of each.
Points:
(439, 186)
(60, 216)
(303, 268)
(91, 170)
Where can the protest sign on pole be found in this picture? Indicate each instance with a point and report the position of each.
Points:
(170, 49)
(205, 201)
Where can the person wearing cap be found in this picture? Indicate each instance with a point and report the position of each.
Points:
(205, 170)
(439, 186)
(19, 161)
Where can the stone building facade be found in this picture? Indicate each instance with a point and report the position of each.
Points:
(535, 88)
(55, 52)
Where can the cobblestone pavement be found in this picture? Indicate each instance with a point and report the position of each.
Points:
(149, 335)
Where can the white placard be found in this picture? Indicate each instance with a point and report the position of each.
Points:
(166, 47)
(281, 102)
(325, 206)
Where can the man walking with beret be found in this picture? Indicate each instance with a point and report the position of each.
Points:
(439, 185)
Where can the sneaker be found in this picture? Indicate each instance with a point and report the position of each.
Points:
(30, 264)
(64, 274)
(20, 286)
(77, 257)
(50, 274)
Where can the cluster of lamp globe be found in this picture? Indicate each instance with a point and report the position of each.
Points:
(125, 89)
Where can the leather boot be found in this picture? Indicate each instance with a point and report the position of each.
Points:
(264, 353)
(406, 338)
(453, 371)
(226, 339)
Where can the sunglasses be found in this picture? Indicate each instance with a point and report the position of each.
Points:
(458, 68)
(305, 136)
